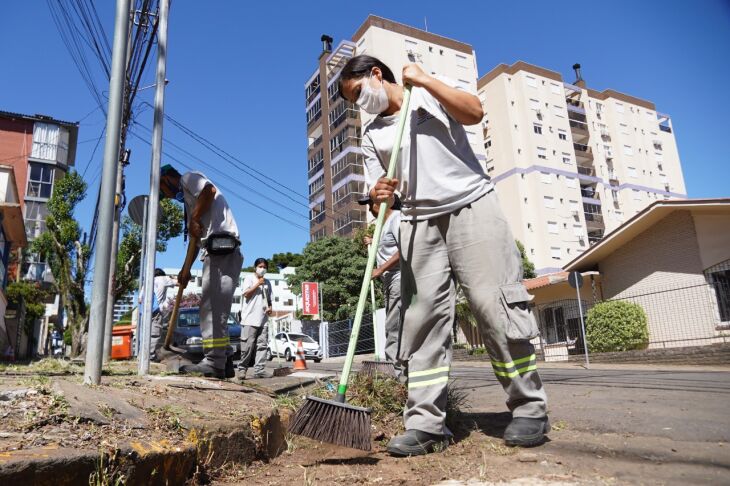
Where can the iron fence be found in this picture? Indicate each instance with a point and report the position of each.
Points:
(338, 337)
(677, 316)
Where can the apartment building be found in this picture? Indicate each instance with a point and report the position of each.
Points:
(336, 173)
(571, 163)
(122, 306)
(283, 300)
(40, 149)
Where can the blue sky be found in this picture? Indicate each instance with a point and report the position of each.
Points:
(237, 73)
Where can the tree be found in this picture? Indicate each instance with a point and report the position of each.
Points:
(281, 260)
(68, 258)
(338, 265)
(30, 294)
(527, 265)
(170, 225)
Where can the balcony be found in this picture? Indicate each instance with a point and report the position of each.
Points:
(613, 177)
(348, 137)
(315, 169)
(315, 143)
(579, 130)
(587, 171)
(350, 113)
(589, 192)
(583, 153)
(317, 219)
(350, 169)
(314, 119)
(347, 224)
(594, 221)
(50, 152)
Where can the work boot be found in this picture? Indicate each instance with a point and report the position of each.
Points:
(230, 371)
(526, 432)
(261, 374)
(241, 374)
(204, 369)
(417, 442)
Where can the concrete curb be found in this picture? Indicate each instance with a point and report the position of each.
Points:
(155, 463)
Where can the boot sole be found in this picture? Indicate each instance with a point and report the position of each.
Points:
(529, 440)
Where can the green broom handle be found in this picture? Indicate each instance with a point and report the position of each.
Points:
(375, 328)
(342, 389)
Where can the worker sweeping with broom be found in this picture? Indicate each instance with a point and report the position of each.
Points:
(388, 270)
(210, 222)
(452, 230)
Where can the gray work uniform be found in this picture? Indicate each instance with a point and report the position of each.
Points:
(387, 248)
(453, 231)
(255, 328)
(220, 272)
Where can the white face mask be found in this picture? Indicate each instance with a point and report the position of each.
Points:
(260, 271)
(374, 101)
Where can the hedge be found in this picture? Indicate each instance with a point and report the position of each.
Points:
(616, 326)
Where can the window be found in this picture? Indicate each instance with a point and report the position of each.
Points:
(571, 181)
(628, 150)
(555, 88)
(619, 107)
(624, 128)
(619, 215)
(545, 178)
(578, 230)
(40, 180)
(534, 104)
(531, 81)
(552, 227)
(599, 107)
(541, 153)
(607, 150)
(558, 111)
(548, 202)
(567, 159)
(488, 143)
(555, 253)
(632, 172)
(719, 277)
(637, 194)
(562, 135)
(574, 206)
(537, 128)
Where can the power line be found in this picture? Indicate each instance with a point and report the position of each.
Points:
(229, 191)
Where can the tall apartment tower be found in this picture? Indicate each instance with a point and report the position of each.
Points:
(571, 163)
(40, 149)
(336, 173)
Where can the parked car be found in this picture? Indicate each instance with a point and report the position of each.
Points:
(187, 333)
(284, 345)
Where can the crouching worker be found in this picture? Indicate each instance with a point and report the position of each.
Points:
(209, 218)
(388, 270)
(254, 321)
(160, 316)
(452, 231)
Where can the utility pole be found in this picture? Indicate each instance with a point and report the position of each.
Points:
(115, 251)
(150, 240)
(95, 345)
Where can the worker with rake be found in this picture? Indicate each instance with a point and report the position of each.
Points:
(452, 231)
(211, 225)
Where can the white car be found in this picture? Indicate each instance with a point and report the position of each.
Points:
(284, 345)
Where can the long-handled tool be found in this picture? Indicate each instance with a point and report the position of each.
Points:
(335, 421)
(189, 258)
(376, 367)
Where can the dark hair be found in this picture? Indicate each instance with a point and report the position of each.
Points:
(261, 260)
(361, 66)
(167, 169)
(160, 272)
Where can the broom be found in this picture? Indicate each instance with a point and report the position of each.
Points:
(279, 370)
(189, 258)
(335, 421)
(377, 367)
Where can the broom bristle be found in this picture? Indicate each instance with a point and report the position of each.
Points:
(372, 368)
(282, 371)
(333, 422)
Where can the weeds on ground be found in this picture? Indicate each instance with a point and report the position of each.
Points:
(107, 473)
(499, 449)
(289, 401)
(559, 425)
(166, 417)
(54, 366)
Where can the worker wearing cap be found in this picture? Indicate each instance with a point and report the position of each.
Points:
(388, 270)
(210, 221)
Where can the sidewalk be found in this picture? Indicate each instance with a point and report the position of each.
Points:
(158, 429)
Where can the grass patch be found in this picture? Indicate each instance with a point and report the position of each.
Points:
(559, 425)
(290, 401)
(499, 449)
(54, 366)
(167, 417)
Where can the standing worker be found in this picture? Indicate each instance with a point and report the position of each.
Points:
(452, 230)
(388, 270)
(159, 318)
(209, 218)
(254, 319)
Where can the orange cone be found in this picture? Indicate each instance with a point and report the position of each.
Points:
(301, 362)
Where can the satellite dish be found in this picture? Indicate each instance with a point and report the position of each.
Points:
(137, 209)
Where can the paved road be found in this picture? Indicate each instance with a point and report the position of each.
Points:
(679, 404)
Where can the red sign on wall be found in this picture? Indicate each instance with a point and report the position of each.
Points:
(310, 298)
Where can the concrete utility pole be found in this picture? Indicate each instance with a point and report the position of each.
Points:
(113, 258)
(150, 241)
(95, 345)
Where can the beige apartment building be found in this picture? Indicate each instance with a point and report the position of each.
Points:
(570, 163)
(336, 172)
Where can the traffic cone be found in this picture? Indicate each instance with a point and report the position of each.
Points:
(301, 362)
